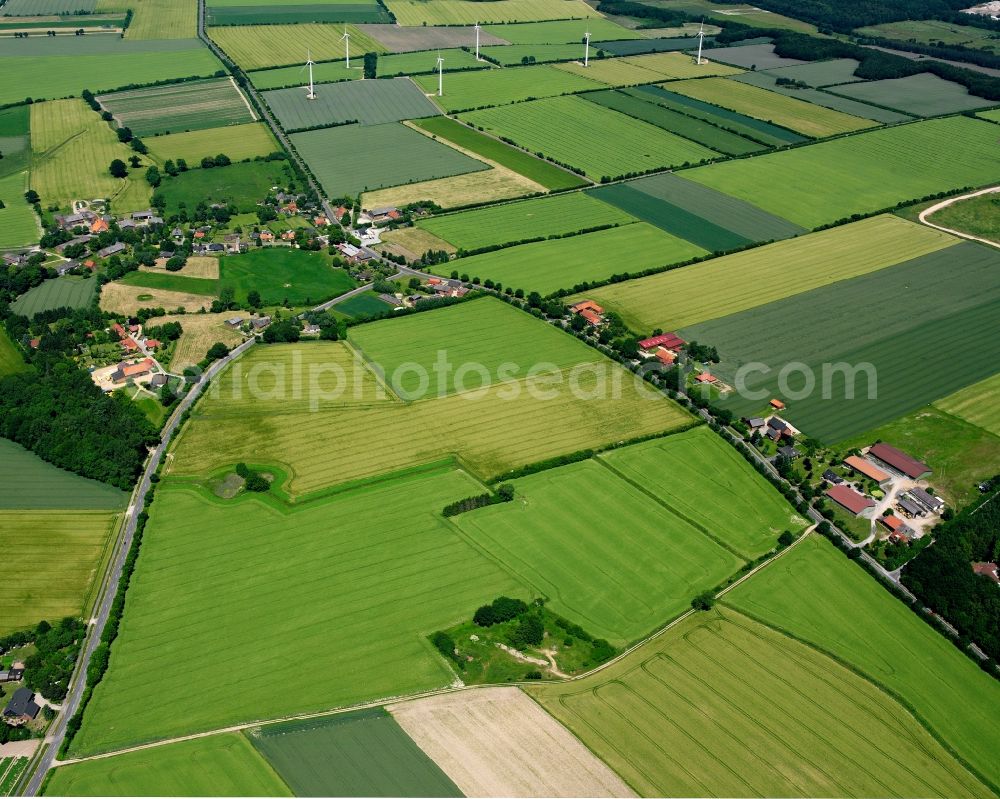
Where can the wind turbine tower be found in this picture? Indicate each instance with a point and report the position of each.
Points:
(309, 63)
(346, 38)
(701, 42)
(476, 26)
(586, 48)
(440, 66)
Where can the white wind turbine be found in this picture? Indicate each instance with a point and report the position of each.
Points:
(309, 63)
(701, 41)
(586, 48)
(440, 66)
(476, 27)
(346, 39)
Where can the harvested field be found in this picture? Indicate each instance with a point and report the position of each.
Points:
(365, 753)
(862, 173)
(873, 632)
(67, 291)
(384, 155)
(498, 153)
(497, 183)
(529, 219)
(194, 105)
(779, 109)
(201, 266)
(260, 46)
(201, 331)
(465, 90)
(497, 742)
(924, 94)
(547, 266)
(370, 102)
(757, 277)
(756, 56)
(532, 419)
(34, 484)
(701, 478)
(724, 706)
(397, 39)
(412, 242)
(469, 12)
(52, 557)
(347, 591)
(220, 765)
(537, 126)
(606, 554)
(119, 298)
(560, 32)
(945, 296)
(238, 142)
(633, 70)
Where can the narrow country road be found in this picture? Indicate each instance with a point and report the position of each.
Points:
(928, 212)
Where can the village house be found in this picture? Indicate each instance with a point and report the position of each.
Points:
(66, 266)
(266, 237)
(990, 570)
(778, 428)
(14, 673)
(72, 242)
(777, 404)
(129, 371)
(110, 250)
(899, 531)
(832, 477)
(852, 501)
(234, 321)
(22, 708)
(260, 322)
(899, 461)
(667, 341)
(70, 221)
(381, 216)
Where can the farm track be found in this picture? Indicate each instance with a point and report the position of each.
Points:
(928, 212)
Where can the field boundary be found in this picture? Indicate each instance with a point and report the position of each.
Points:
(928, 212)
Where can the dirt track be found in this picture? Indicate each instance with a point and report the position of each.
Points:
(498, 742)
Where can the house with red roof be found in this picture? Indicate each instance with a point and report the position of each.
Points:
(669, 341)
(854, 502)
(990, 570)
(899, 530)
(865, 467)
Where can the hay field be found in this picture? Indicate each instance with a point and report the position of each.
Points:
(412, 242)
(237, 142)
(529, 420)
(51, 559)
(221, 765)
(978, 404)
(497, 742)
(639, 147)
(490, 185)
(608, 556)
(723, 706)
(201, 331)
(261, 46)
(756, 277)
(651, 68)
(120, 298)
(703, 479)
(200, 266)
(547, 266)
(19, 226)
(873, 632)
(779, 109)
(356, 578)
(72, 148)
(469, 12)
(158, 19)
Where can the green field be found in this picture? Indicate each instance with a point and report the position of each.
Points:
(469, 12)
(640, 105)
(157, 19)
(547, 266)
(639, 147)
(746, 126)
(606, 554)
(388, 65)
(261, 46)
(169, 281)
(924, 94)
(561, 32)
(943, 299)
(510, 55)
(467, 90)
(369, 102)
(11, 359)
(11, 769)
(487, 332)
(703, 479)
(347, 591)
(18, 224)
(778, 109)
(362, 304)
(272, 12)
(723, 706)
(527, 219)
(978, 404)
(237, 142)
(365, 753)
(548, 175)
(51, 559)
(221, 765)
(979, 216)
(266, 411)
(177, 107)
(760, 55)
(382, 155)
(242, 185)
(60, 292)
(33, 484)
(820, 73)
(71, 150)
(874, 633)
(650, 68)
(862, 173)
(29, 8)
(57, 74)
(282, 274)
(932, 31)
(756, 277)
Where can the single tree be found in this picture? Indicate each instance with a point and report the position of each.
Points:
(118, 169)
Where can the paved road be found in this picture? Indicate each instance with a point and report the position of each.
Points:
(112, 577)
